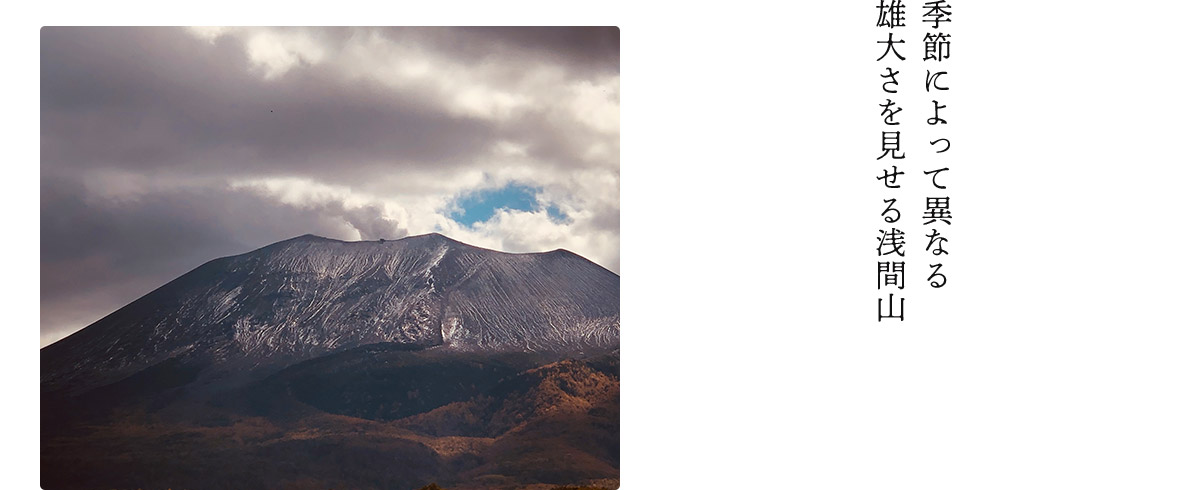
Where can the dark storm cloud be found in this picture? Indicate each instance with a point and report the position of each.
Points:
(108, 254)
(163, 148)
(154, 98)
(589, 50)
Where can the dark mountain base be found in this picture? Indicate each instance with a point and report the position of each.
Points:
(377, 417)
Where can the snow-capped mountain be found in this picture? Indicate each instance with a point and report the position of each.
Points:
(310, 296)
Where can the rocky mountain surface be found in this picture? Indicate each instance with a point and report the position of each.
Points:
(310, 296)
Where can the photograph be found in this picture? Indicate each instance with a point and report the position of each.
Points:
(330, 258)
(876, 245)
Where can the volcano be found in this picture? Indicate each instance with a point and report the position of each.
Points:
(472, 366)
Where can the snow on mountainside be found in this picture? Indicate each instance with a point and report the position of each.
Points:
(309, 296)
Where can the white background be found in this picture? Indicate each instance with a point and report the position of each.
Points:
(1063, 353)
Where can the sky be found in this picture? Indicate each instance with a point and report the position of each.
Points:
(163, 148)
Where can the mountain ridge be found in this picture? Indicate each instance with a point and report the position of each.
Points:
(310, 295)
(425, 236)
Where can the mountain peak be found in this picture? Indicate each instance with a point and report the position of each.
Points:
(312, 295)
(433, 237)
(309, 237)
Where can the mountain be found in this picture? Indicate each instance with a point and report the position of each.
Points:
(315, 363)
(310, 296)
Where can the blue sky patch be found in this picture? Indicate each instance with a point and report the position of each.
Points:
(481, 205)
(556, 215)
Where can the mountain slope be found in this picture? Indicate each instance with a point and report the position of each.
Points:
(310, 296)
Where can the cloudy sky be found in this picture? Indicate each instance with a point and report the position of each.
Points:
(163, 148)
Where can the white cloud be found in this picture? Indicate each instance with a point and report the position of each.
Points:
(208, 33)
(276, 52)
(369, 216)
(582, 115)
(496, 91)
